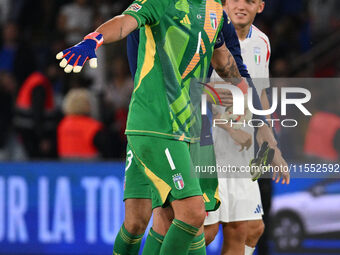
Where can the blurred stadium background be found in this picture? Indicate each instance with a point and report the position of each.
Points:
(49, 205)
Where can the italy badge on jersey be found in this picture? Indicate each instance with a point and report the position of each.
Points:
(257, 55)
(178, 181)
(213, 20)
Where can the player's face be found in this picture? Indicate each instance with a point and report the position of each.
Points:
(243, 12)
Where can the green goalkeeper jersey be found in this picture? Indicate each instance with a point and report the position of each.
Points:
(177, 39)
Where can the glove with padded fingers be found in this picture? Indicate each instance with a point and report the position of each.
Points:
(75, 57)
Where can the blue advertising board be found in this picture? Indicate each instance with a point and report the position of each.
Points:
(62, 208)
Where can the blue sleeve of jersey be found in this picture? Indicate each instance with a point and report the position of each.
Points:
(219, 40)
(132, 51)
(233, 45)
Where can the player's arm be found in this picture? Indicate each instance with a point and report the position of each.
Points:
(265, 102)
(137, 15)
(117, 28)
(222, 60)
(225, 66)
(267, 134)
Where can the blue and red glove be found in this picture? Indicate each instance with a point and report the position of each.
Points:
(75, 57)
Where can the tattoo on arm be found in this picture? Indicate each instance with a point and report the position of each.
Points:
(229, 72)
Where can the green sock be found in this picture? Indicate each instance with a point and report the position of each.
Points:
(197, 246)
(178, 239)
(153, 243)
(126, 243)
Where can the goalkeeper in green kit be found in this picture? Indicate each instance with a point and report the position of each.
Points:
(178, 41)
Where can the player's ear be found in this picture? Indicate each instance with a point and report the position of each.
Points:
(261, 6)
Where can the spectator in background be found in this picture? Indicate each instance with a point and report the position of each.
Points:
(9, 47)
(36, 117)
(16, 58)
(322, 137)
(75, 20)
(79, 135)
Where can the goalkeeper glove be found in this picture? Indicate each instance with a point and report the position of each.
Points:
(263, 159)
(75, 57)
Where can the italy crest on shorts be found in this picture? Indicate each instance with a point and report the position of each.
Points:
(213, 20)
(257, 55)
(178, 181)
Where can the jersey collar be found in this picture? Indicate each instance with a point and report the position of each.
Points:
(250, 32)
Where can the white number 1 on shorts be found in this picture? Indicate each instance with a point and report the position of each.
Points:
(171, 162)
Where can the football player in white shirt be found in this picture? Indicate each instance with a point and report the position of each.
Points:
(241, 209)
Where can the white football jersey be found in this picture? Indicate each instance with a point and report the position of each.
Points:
(255, 50)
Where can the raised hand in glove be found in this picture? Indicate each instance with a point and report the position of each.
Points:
(75, 57)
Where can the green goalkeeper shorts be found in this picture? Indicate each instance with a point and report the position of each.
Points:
(159, 169)
(162, 170)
